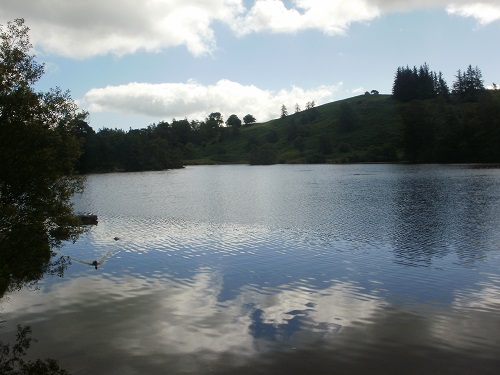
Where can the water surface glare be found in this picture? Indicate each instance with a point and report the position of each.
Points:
(282, 269)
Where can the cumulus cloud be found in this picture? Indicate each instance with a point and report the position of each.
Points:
(196, 101)
(484, 12)
(332, 17)
(81, 29)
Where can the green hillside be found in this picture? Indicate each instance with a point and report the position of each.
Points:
(317, 135)
(368, 128)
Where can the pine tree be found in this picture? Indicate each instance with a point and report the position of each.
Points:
(468, 84)
(284, 111)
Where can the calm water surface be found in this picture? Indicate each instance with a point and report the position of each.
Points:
(278, 270)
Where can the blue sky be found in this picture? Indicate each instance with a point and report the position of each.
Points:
(132, 63)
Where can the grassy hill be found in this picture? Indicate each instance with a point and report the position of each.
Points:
(317, 135)
(367, 128)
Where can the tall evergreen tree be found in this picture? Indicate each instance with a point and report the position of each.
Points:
(468, 84)
(421, 83)
(284, 111)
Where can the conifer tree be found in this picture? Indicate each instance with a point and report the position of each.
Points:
(468, 84)
(284, 111)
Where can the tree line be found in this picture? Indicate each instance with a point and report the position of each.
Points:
(159, 146)
(443, 125)
(436, 128)
(422, 83)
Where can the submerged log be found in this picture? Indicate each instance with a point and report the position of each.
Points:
(88, 219)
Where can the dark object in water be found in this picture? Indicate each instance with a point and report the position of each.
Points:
(88, 219)
(95, 263)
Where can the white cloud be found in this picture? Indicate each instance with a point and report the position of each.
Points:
(358, 91)
(196, 101)
(81, 29)
(332, 17)
(484, 12)
(477, 318)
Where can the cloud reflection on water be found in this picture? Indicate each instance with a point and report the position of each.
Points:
(130, 316)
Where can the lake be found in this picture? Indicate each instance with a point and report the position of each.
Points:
(284, 269)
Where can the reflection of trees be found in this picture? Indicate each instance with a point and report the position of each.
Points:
(438, 214)
(420, 222)
(25, 256)
(12, 357)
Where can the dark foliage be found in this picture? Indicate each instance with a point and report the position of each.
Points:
(421, 83)
(262, 155)
(38, 146)
(154, 148)
(452, 132)
(249, 119)
(468, 85)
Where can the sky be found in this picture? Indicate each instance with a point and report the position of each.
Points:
(133, 63)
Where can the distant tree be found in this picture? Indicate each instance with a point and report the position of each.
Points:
(210, 130)
(425, 83)
(297, 108)
(404, 87)
(284, 111)
(311, 113)
(249, 119)
(421, 83)
(310, 105)
(440, 86)
(374, 92)
(216, 118)
(468, 84)
(233, 121)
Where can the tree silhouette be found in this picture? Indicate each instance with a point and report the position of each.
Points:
(422, 83)
(233, 121)
(249, 119)
(39, 146)
(284, 111)
(468, 84)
